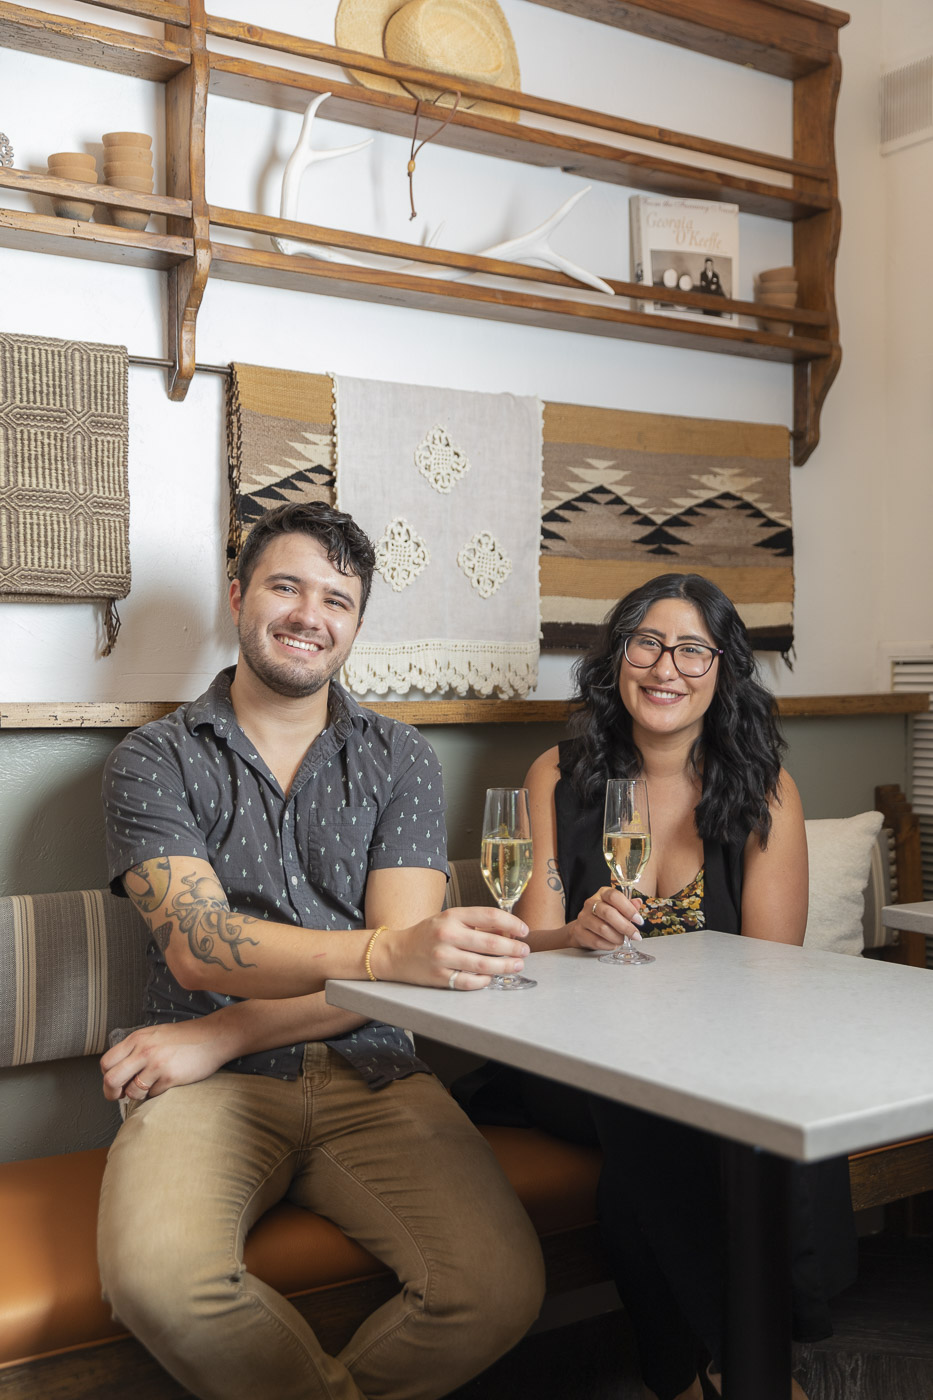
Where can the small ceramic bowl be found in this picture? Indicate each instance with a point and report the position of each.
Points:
(776, 327)
(126, 138)
(125, 153)
(135, 219)
(116, 168)
(72, 158)
(778, 298)
(778, 274)
(135, 183)
(782, 288)
(75, 172)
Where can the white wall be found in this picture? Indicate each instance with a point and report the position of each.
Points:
(861, 504)
(907, 591)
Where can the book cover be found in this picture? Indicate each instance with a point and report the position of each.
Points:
(692, 244)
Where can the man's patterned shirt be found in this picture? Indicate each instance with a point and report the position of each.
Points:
(368, 796)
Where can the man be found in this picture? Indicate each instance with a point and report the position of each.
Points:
(273, 834)
(711, 283)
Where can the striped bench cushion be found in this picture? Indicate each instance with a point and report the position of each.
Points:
(72, 966)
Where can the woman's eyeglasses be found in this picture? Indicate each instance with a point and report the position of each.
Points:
(690, 658)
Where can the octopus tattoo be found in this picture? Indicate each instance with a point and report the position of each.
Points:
(208, 923)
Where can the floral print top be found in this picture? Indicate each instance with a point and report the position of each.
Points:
(679, 913)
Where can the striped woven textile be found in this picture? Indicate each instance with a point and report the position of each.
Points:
(64, 491)
(72, 967)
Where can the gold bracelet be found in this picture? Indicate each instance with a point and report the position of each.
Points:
(369, 949)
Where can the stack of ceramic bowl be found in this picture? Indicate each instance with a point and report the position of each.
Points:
(777, 287)
(128, 166)
(73, 165)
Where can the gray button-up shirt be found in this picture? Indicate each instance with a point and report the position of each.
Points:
(368, 796)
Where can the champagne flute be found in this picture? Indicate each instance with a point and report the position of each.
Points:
(626, 847)
(506, 860)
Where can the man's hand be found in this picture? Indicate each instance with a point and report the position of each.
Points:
(478, 944)
(155, 1058)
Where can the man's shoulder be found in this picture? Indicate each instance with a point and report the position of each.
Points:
(174, 731)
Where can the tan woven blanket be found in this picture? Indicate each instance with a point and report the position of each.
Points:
(627, 496)
(64, 494)
(280, 441)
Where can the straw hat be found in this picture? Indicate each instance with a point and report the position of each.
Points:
(467, 39)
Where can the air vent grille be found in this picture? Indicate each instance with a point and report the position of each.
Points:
(907, 105)
(916, 673)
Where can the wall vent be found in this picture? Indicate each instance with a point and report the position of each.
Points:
(907, 105)
(916, 673)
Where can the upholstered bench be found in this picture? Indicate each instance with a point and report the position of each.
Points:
(72, 966)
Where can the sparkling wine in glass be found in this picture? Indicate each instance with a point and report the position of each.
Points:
(506, 859)
(626, 847)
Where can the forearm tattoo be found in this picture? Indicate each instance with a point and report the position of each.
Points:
(554, 881)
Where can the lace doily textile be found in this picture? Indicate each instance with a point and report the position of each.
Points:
(447, 484)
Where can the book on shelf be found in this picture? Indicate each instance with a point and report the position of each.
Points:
(692, 244)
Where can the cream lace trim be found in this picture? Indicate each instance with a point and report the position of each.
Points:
(440, 461)
(484, 668)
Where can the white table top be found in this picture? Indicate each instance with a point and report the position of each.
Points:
(912, 918)
(804, 1054)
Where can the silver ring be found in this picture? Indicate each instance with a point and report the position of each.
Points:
(452, 981)
(595, 902)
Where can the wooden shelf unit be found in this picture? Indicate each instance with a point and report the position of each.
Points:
(793, 39)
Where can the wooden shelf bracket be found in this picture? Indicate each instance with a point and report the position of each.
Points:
(185, 127)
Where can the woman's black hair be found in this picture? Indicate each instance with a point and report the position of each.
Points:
(739, 752)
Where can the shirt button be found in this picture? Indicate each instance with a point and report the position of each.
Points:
(294, 879)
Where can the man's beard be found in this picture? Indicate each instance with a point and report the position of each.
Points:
(289, 679)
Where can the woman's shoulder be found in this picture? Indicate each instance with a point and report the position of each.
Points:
(786, 798)
(545, 769)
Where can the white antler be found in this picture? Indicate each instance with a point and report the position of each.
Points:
(527, 247)
(534, 247)
(301, 157)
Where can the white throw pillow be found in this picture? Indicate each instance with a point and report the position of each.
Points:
(840, 864)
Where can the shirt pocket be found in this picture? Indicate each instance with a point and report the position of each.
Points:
(336, 845)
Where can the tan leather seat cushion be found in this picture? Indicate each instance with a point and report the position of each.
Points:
(49, 1287)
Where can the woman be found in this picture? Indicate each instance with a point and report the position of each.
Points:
(670, 695)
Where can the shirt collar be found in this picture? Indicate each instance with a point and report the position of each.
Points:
(215, 707)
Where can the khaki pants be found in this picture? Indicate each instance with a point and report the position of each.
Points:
(401, 1170)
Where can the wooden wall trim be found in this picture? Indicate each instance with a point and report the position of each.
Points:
(128, 714)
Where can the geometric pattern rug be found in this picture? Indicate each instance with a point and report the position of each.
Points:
(280, 444)
(626, 496)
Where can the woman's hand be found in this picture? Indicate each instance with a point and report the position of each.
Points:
(155, 1058)
(605, 921)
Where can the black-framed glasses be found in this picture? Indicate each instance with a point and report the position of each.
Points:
(690, 658)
